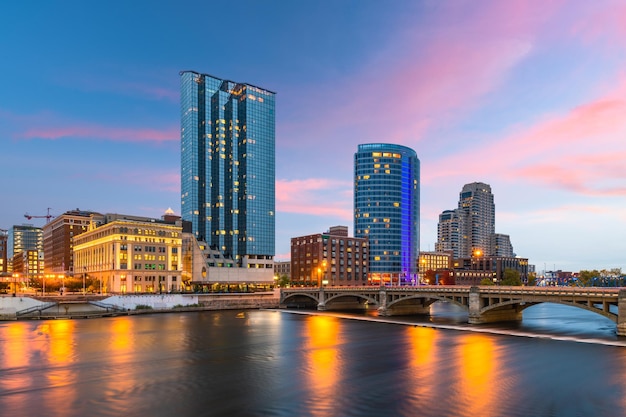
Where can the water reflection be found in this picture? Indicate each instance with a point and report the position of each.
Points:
(322, 362)
(14, 354)
(422, 363)
(58, 348)
(478, 384)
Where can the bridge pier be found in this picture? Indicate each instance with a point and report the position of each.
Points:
(621, 313)
(321, 305)
(505, 313)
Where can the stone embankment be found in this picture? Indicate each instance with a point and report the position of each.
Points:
(27, 307)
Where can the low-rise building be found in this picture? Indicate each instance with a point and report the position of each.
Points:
(58, 237)
(282, 268)
(330, 258)
(131, 254)
(436, 268)
(471, 271)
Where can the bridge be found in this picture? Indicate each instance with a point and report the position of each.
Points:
(485, 304)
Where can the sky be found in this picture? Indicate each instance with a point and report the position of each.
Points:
(526, 96)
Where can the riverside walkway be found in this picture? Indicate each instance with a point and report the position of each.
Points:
(485, 304)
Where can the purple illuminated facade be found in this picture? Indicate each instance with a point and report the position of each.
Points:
(386, 209)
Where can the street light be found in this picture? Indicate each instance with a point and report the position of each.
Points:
(319, 277)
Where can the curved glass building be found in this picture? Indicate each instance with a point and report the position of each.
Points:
(386, 210)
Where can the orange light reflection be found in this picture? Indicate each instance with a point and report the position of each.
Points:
(60, 354)
(323, 364)
(479, 385)
(422, 363)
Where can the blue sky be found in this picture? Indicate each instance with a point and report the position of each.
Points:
(529, 98)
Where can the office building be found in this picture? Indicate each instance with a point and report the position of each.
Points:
(450, 233)
(4, 252)
(386, 209)
(476, 201)
(130, 254)
(58, 237)
(331, 258)
(474, 269)
(501, 245)
(228, 169)
(469, 229)
(282, 268)
(435, 268)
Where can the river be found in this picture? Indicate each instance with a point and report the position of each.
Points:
(559, 361)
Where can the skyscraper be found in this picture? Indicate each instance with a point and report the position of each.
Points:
(469, 229)
(450, 233)
(476, 201)
(227, 165)
(386, 209)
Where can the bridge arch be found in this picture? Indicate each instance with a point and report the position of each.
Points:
(520, 306)
(429, 299)
(347, 300)
(299, 299)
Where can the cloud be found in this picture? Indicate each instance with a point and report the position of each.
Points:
(315, 196)
(580, 150)
(432, 73)
(100, 132)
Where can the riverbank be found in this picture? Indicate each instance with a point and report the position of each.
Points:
(62, 307)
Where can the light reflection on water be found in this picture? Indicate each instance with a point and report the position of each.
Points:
(267, 363)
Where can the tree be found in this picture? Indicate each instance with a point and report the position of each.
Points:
(486, 281)
(282, 281)
(586, 278)
(511, 277)
(532, 279)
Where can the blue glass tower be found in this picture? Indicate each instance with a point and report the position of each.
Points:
(228, 165)
(386, 209)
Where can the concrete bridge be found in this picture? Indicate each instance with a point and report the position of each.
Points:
(485, 304)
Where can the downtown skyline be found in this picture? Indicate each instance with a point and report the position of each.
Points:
(527, 98)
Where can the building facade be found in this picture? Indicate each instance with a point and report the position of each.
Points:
(228, 168)
(58, 237)
(130, 254)
(450, 233)
(472, 270)
(470, 228)
(331, 258)
(386, 209)
(282, 268)
(476, 201)
(4, 252)
(25, 237)
(435, 268)
(501, 245)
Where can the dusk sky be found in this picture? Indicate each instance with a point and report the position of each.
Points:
(526, 96)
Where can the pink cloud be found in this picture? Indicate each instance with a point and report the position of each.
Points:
(606, 24)
(581, 150)
(430, 75)
(102, 133)
(314, 196)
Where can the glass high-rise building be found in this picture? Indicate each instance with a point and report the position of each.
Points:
(386, 209)
(228, 165)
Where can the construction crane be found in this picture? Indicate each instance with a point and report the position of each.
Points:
(47, 216)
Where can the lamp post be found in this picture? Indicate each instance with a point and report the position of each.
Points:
(319, 277)
(84, 275)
